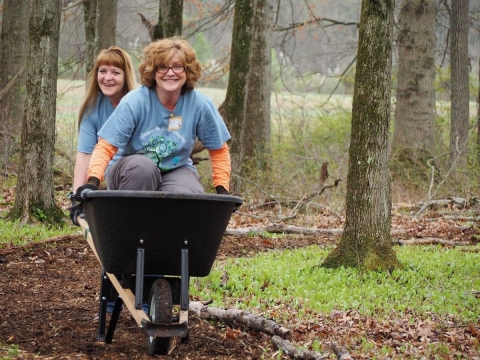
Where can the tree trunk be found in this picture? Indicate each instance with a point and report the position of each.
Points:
(105, 25)
(257, 119)
(478, 115)
(13, 56)
(89, 16)
(366, 241)
(459, 64)
(236, 97)
(34, 195)
(415, 108)
(170, 19)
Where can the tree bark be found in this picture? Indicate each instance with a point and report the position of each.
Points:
(366, 241)
(257, 119)
(478, 115)
(89, 19)
(459, 64)
(170, 19)
(34, 195)
(236, 98)
(105, 25)
(13, 57)
(415, 107)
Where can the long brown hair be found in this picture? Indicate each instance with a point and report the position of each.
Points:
(160, 52)
(113, 56)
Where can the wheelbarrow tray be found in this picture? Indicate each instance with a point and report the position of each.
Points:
(162, 224)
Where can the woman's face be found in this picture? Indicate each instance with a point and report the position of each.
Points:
(111, 80)
(170, 78)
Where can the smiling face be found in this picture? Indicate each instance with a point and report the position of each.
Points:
(111, 81)
(170, 83)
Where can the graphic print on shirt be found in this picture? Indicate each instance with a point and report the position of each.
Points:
(158, 148)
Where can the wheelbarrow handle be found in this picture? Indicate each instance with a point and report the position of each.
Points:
(83, 194)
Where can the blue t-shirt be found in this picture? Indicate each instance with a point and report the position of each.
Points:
(92, 122)
(142, 125)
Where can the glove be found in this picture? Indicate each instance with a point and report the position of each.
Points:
(221, 190)
(92, 184)
(76, 211)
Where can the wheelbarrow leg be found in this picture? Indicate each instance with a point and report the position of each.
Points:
(105, 289)
(113, 320)
(184, 280)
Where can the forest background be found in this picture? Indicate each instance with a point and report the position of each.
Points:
(313, 69)
(314, 65)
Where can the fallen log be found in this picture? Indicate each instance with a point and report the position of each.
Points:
(257, 323)
(234, 316)
(284, 229)
(431, 241)
(291, 351)
(290, 229)
(340, 352)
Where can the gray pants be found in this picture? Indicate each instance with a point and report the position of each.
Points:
(136, 172)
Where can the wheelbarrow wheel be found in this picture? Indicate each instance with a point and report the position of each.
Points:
(160, 312)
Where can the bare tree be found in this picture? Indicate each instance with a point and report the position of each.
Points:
(13, 56)
(415, 107)
(89, 18)
(34, 194)
(257, 119)
(459, 65)
(170, 16)
(236, 97)
(366, 241)
(105, 24)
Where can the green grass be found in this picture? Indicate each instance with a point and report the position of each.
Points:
(9, 351)
(435, 280)
(14, 234)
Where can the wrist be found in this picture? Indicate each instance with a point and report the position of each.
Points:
(94, 181)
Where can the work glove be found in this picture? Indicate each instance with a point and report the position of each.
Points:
(75, 210)
(221, 190)
(91, 184)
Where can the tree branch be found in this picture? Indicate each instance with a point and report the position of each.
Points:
(13, 81)
(316, 20)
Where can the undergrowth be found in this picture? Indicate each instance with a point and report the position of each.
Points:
(435, 280)
(15, 234)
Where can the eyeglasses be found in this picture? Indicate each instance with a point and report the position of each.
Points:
(177, 69)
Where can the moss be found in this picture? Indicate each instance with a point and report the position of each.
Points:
(374, 262)
(372, 258)
(51, 215)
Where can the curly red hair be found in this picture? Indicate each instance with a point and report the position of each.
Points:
(160, 52)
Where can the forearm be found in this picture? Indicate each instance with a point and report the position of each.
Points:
(102, 154)
(221, 166)
(80, 172)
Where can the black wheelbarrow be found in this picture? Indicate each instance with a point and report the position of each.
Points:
(149, 244)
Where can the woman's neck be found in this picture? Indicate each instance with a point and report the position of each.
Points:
(115, 100)
(168, 100)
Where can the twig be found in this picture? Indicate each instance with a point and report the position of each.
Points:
(431, 163)
(206, 338)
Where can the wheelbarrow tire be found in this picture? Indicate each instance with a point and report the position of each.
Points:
(160, 312)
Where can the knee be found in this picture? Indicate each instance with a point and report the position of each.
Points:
(141, 165)
(140, 173)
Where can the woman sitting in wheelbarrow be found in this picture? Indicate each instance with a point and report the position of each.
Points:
(111, 77)
(156, 125)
